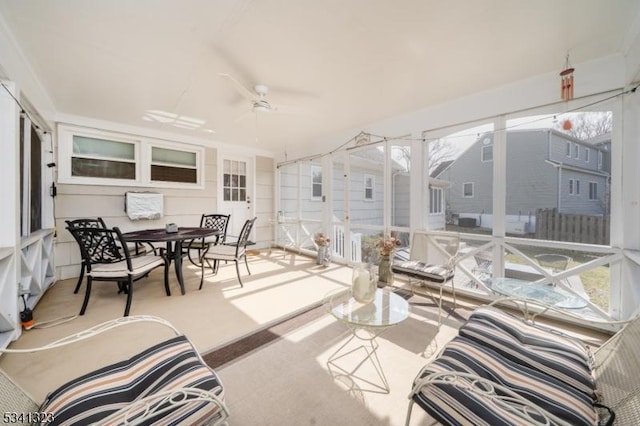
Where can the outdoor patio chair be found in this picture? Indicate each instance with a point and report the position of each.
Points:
(83, 223)
(229, 252)
(106, 260)
(135, 249)
(167, 383)
(219, 222)
(431, 263)
(501, 369)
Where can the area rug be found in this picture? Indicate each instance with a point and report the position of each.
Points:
(287, 381)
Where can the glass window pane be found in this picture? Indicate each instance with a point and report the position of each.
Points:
(400, 183)
(243, 181)
(103, 148)
(173, 174)
(289, 190)
(234, 194)
(226, 167)
(242, 194)
(338, 187)
(366, 185)
(227, 194)
(172, 156)
(102, 169)
(455, 165)
(226, 178)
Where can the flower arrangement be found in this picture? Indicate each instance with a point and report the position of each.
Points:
(386, 245)
(321, 239)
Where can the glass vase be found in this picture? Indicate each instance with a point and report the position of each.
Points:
(385, 274)
(363, 283)
(324, 256)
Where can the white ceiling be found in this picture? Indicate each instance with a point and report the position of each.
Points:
(331, 65)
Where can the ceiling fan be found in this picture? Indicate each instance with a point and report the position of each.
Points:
(257, 97)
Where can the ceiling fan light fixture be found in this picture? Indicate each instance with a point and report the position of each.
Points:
(261, 106)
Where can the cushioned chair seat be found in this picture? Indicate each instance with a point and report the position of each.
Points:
(456, 403)
(424, 271)
(223, 252)
(170, 365)
(531, 346)
(140, 265)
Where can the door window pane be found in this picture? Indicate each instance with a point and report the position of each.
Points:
(234, 180)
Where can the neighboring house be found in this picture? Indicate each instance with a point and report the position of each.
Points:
(545, 169)
(366, 195)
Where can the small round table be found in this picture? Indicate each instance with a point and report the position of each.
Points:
(366, 322)
(545, 293)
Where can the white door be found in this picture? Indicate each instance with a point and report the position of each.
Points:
(235, 191)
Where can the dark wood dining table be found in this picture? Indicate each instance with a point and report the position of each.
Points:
(174, 243)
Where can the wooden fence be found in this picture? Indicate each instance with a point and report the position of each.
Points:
(551, 225)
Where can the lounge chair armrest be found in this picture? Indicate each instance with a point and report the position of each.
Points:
(507, 400)
(162, 402)
(96, 330)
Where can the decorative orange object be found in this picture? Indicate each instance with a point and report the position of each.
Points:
(566, 84)
(567, 124)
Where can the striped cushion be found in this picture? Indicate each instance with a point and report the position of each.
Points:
(425, 271)
(537, 348)
(170, 365)
(453, 405)
(140, 265)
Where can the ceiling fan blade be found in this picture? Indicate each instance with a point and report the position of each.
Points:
(243, 116)
(239, 87)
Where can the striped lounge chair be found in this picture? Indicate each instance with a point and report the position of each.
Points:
(501, 370)
(166, 384)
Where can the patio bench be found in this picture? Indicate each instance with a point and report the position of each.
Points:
(501, 370)
(167, 383)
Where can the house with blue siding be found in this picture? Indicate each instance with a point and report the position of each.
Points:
(546, 169)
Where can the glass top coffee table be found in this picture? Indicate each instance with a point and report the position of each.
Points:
(547, 294)
(366, 322)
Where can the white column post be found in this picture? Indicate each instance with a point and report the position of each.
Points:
(499, 192)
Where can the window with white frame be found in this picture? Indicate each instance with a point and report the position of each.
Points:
(95, 157)
(467, 189)
(572, 186)
(234, 180)
(593, 190)
(576, 151)
(316, 182)
(103, 158)
(600, 159)
(568, 149)
(172, 165)
(587, 155)
(435, 200)
(369, 185)
(577, 186)
(487, 153)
